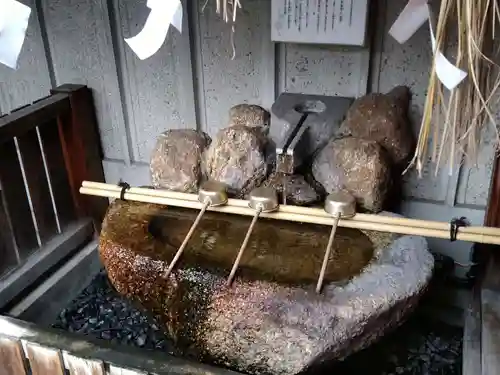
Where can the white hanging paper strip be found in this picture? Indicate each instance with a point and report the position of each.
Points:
(409, 21)
(449, 75)
(14, 19)
(177, 18)
(163, 14)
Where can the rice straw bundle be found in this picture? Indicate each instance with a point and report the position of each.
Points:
(459, 115)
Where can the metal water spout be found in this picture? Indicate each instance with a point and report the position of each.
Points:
(300, 124)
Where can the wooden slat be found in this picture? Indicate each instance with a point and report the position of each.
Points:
(31, 157)
(56, 249)
(22, 121)
(81, 150)
(493, 210)
(492, 216)
(11, 357)
(490, 317)
(44, 361)
(8, 251)
(121, 355)
(43, 304)
(115, 370)
(14, 192)
(82, 366)
(52, 148)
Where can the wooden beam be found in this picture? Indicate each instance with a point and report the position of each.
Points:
(119, 355)
(37, 184)
(82, 149)
(80, 366)
(43, 304)
(11, 357)
(28, 117)
(56, 249)
(59, 180)
(492, 217)
(16, 200)
(44, 361)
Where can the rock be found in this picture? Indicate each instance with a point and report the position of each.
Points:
(358, 166)
(271, 312)
(383, 118)
(298, 191)
(236, 157)
(175, 160)
(250, 115)
(141, 340)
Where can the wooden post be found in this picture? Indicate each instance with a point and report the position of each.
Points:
(483, 346)
(82, 149)
(483, 253)
(492, 217)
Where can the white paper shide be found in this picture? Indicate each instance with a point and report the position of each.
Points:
(413, 16)
(163, 14)
(14, 17)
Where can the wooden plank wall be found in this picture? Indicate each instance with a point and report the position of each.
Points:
(27, 348)
(21, 357)
(192, 82)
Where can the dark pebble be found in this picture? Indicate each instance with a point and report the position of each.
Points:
(101, 313)
(141, 340)
(419, 347)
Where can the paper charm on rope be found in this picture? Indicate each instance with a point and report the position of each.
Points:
(14, 18)
(409, 21)
(163, 14)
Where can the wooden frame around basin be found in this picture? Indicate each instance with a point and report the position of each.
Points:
(47, 148)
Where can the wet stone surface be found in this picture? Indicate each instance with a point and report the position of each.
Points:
(419, 347)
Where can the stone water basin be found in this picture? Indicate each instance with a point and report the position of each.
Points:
(271, 320)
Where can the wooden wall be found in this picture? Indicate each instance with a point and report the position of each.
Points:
(192, 82)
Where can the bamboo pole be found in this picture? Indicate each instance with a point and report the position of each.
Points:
(291, 209)
(312, 216)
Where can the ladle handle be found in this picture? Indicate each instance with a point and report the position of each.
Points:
(186, 239)
(243, 246)
(319, 285)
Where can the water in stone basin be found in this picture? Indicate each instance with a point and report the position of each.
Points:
(219, 236)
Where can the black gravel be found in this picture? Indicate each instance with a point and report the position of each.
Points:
(419, 347)
(101, 313)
